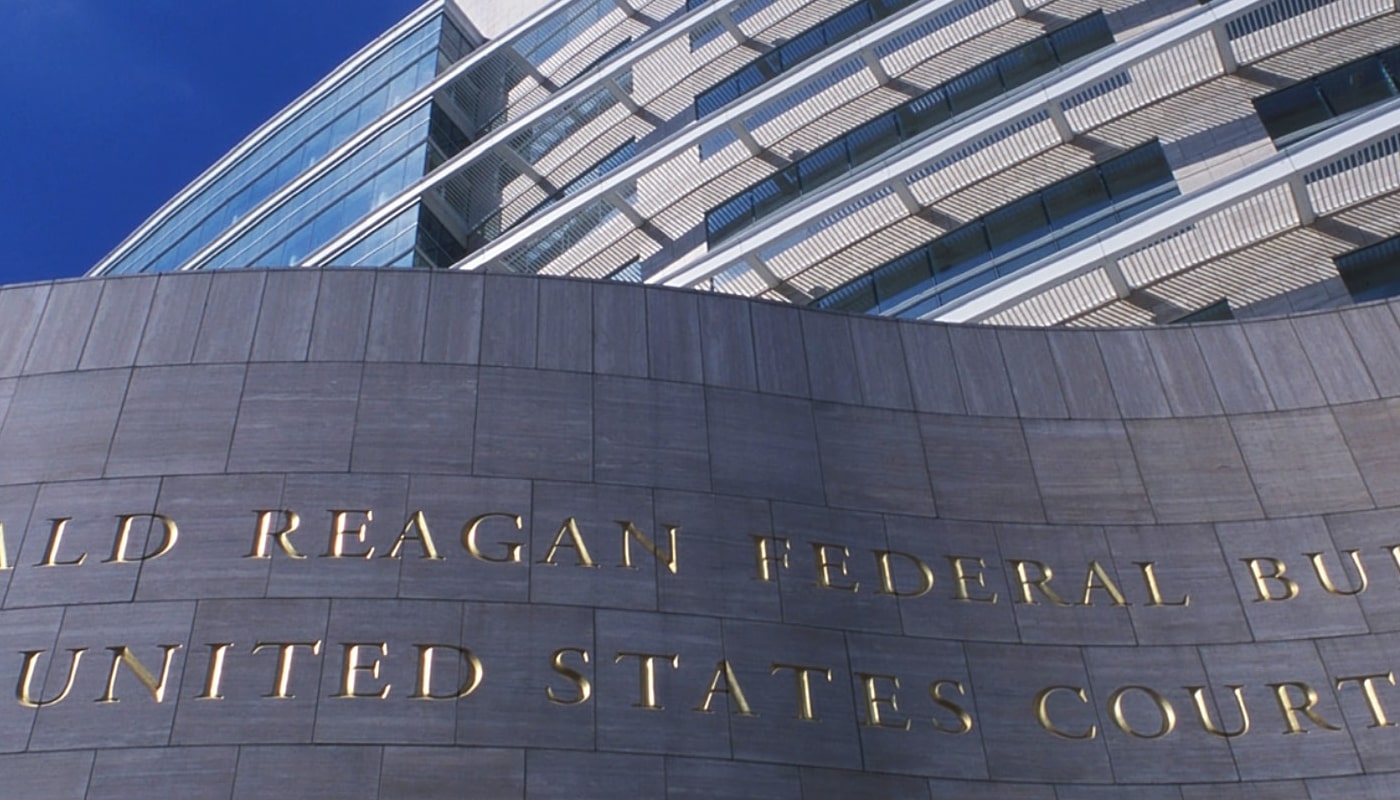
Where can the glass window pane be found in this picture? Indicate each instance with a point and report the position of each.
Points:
(956, 252)
(1137, 171)
(873, 138)
(1016, 224)
(1075, 197)
(823, 164)
(1081, 37)
(973, 88)
(1290, 110)
(902, 278)
(1355, 87)
(1026, 63)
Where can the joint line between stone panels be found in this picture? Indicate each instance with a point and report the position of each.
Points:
(1351, 337)
(281, 502)
(28, 520)
(189, 644)
(146, 546)
(321, 673)
(427, 307)
(1351, 457)
(355, 425)
(1234, 435)
(53, 659)
(1210, 697)
(1035, 481)
(92, 770)
(92, 321)
(855, 699)
(1239, 590)
(1146, 495)
(1108, 751)
(116, 423)
(1332, 407)
(237, 758)
(1336, 693)
(22, 369)
(379, 782)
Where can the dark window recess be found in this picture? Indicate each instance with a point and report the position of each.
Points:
(436, 247)
(1219, 311)
(1372, 272)
(446, 138)
(984, 82)
(1016, 235)
(1296, 111)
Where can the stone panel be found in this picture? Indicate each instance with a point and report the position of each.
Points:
(194, 406)
(1086, 472)
(396, 319)
(534, 424)
(297, 416)
(226, 330)
(284, 319)
(59, 426)
(428, 429)
(118, 323)
(173, 323)
(21, 308)
(63, 329)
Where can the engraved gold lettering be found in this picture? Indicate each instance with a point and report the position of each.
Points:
(724, 673)
(291, 521)
(961, 579)
(1325, 578)
(1098, 578)
(882, 560)
(424, 690)
(23, 691)
(213, 679)
(1042, 712)
(282, 680)
(806, 710)
(351, 667)
(60, 525)
(1263, 591)
(473, 527)
(340, 520)
(630, 532)
(935, 692)
(122, 656)
(424, 537)
(569, 530)
(124, 535)
(1291, 709)
(762, 558)
(646, 675)
(1198, 697)
(1041, 582)
(870, 683)
(823, 553)
(1154, 591)
(1166, 714)
(578, 679)
(1373, 700)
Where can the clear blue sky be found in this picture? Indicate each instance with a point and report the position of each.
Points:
(109, 107)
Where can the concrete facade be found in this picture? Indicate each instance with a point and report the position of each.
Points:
(909, 560)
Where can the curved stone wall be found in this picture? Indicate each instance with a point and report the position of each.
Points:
(398, 534)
